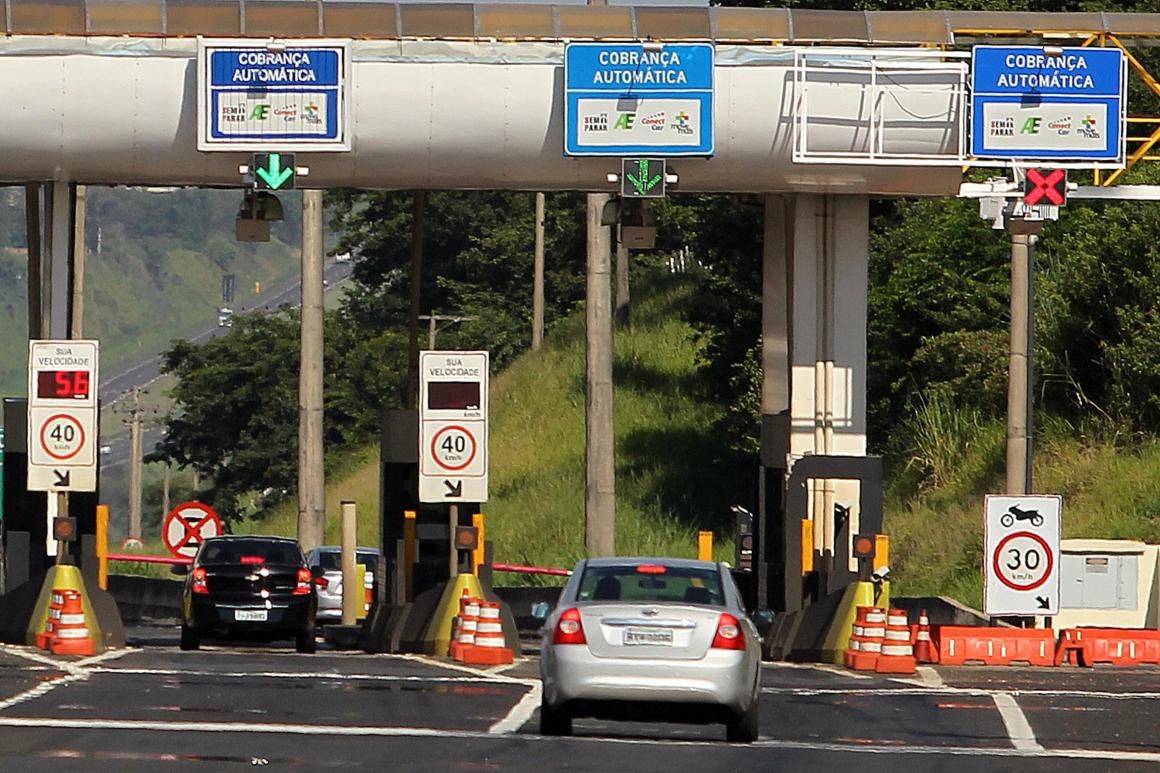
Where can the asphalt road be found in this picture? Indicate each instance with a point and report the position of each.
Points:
(146, 371)
(226, 708)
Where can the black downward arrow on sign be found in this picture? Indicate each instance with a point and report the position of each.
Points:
(62, 478)
(455, 490)
(1044, 602)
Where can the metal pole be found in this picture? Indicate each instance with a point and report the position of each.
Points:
(62, 556)
(1019, 365)
(165, 491)
(453, 521)
(136, 451)
(431, 333)
(419, 213)
(538, 278)
(600, 485)
(311, 479)
(77, 316)
(352, 585)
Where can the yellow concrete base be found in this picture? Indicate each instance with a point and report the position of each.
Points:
(858, 594)
(62, 577)
(437, 639)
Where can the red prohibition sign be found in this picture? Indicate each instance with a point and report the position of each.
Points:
(193, 532)
(44, 442)
(1046, 186)
(1048, 558)
(435, 446)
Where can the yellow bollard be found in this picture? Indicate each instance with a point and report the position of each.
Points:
(807, 546)
(704, 546)
(881, 550)
(103, 546)
(409, 554)
(478, 555)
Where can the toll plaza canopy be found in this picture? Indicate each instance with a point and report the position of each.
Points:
(463, 21)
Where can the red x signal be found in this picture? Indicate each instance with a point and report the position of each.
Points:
(1045, 183)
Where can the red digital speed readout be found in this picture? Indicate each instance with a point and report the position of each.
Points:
(63, 384)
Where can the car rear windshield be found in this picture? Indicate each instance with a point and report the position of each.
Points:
(331, 561)
(232, 552)
(652, 583)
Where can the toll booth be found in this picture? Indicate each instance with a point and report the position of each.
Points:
(24, 529)
(415, 569)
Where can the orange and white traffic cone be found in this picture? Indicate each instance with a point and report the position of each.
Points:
(55, 605)
(468, 624)
(72, 636)
(866, 643)
(490, 648)
(897, 655)
(924, 649)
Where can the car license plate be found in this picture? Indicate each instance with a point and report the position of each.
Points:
(250, 615)
(661, 637)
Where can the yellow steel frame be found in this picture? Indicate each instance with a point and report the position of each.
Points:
(1146, 142)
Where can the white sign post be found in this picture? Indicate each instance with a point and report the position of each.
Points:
(1021, 556)
(62, 415)
(453, 407)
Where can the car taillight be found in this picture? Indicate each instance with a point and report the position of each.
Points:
(305, 580)
(321, 582)
(200, 584)
(729, 634)
(569, 629)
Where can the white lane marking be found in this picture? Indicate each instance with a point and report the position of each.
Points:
(520, 713)
(888, 691)
(428, 732)
(41, 689)
(451, 665)
(1018, 728)
(28, 653)
(103, 657)
(833, 669)
(465, 679)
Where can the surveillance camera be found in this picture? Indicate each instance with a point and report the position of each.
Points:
(881, 573)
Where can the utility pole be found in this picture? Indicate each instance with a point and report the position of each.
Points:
(538, 278)
(311, 480)
(136, 452)
(600, 488)
(78, 267)
(432, 330)
(419, 214)
(623, 310)
(1020, 369)
(165, 491)
(35, 261)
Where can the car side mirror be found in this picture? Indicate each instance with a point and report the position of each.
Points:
(762, 620)
(541, 610)
(179, 569)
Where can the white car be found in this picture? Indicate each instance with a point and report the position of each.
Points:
(329, 582)
(651, 638)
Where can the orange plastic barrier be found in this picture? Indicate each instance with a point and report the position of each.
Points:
(1111, 646)
(970, 645)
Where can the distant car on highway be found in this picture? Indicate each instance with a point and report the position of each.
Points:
(326, 563)
(651, 639)
(255, 588)
(225, 317)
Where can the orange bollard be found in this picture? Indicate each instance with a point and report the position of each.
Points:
(468, 624)
(924, 649)
(897, 652)
(72, 636)
(490, 648)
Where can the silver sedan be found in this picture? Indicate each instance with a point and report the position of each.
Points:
(650, 639)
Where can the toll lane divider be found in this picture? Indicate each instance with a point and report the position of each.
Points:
(1108, 646)
(962, 645)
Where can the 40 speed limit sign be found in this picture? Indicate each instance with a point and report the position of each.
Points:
(1021, 556)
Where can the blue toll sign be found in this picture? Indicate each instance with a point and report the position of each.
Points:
(256, 98)
(1038, 102)
(638, 99)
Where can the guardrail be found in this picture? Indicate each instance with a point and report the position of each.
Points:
(497, 567)
(143, 559)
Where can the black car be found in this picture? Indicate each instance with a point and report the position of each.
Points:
(256, 588)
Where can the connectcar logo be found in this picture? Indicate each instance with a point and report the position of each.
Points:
(1061, 126)
(286, 113)
(656, 121)
(1002, 127)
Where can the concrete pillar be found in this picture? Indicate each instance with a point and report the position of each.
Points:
(60, 207)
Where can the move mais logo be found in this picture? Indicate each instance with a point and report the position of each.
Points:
(682, 124)
(1090, 128)
(311, 113)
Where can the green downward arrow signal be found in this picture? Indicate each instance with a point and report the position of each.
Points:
(642, 182)
(275, 176)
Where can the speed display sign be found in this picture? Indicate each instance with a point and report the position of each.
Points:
(453, 419)
(1021, 565)
(62, 415)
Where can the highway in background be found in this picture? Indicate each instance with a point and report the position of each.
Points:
(146, 371)
(152, 708)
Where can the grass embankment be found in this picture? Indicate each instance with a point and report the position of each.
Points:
(673, 474)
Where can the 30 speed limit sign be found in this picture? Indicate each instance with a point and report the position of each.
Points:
(1021, 564)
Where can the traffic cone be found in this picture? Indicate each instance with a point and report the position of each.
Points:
(71, 636)
(468, 623)
(453, 647)
(897, 656)
(45, 637)
(924, 649)
(490, 648)
(866, 643)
